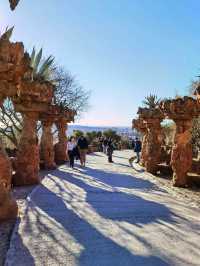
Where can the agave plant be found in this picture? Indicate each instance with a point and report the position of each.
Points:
(42, 68)
(151, 101)
(7, 34)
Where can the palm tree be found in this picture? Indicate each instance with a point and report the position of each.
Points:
(151, 101)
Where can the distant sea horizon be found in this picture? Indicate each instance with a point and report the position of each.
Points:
(123, 131)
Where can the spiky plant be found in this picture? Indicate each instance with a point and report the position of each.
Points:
(151, 101)
(7, 34)
(42, 68)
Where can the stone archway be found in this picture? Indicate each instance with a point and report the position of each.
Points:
(181, 111)
(33, 100)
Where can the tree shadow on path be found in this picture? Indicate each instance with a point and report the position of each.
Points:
(88, 206)
(115, 204)
(98, 248)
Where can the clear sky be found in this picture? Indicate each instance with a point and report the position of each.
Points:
(121, 50)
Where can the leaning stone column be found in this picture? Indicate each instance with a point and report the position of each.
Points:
(153, 139)
(182, 111)
(47, 154)
(27, 162)
(61, 147)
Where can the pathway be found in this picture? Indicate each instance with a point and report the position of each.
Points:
(105, 215)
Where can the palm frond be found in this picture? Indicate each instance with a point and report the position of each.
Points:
(151, 101)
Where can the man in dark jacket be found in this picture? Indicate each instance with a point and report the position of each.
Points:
(137, 146)
(83, 148)
(109, 150)
(137, 149)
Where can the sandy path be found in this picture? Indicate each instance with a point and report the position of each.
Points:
(105, 215)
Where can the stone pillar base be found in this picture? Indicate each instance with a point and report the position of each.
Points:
(61, 156)
(27, 165)
(46, 166)
(151, 168)
(180, 181)
(8, 206)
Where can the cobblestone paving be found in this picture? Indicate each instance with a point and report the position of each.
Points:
(105, 215)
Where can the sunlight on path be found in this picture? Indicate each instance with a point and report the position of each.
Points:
(104, 214)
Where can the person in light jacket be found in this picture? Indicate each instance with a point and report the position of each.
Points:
(71, 145)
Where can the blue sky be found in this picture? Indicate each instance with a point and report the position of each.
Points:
(120, 50)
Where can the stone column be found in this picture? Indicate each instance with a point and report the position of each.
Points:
(153, 145)
(181, 159)
(27, 162)
(61, 147)
(8, 206)
(47, 153)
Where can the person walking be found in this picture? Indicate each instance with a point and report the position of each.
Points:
(137, 146)
(137, 149)
(105, 144)
(109, 150)
(71, 145)
(133, 157)
(83, 148)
